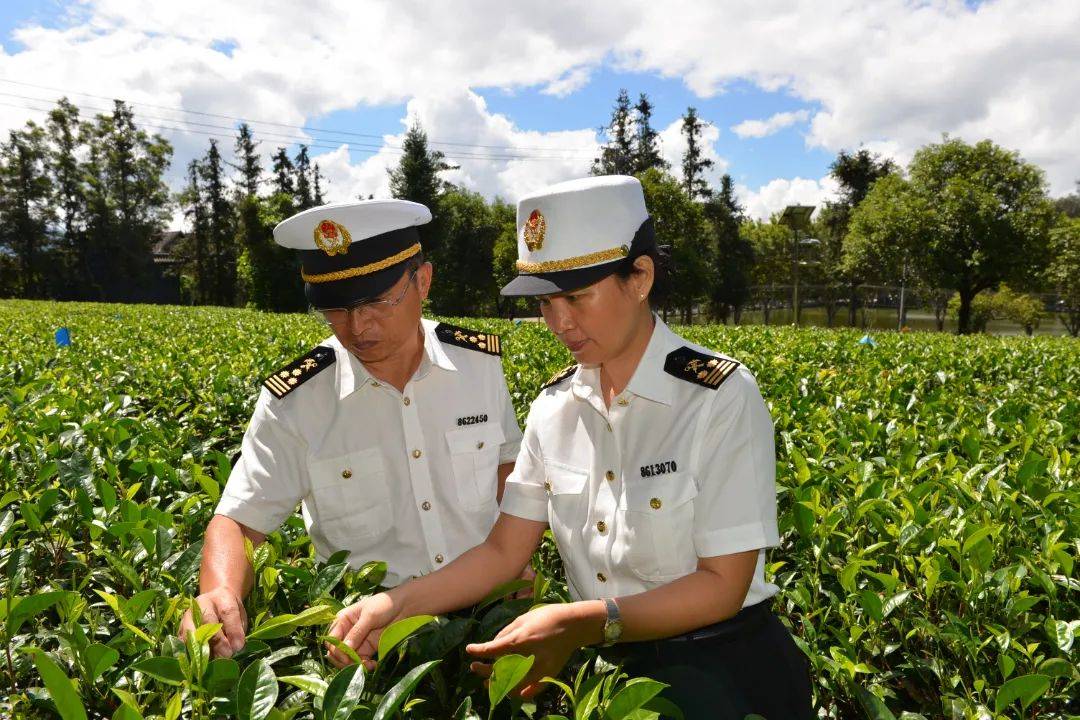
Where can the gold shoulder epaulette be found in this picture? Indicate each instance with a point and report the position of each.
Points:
(470, 339)
(299, 371)
(698, 367)
(559, 377)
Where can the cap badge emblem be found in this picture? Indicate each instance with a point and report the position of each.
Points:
(332, 238)
(534, 230)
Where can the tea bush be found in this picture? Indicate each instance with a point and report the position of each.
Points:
(928, 510)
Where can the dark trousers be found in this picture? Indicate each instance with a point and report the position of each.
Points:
(743, 666)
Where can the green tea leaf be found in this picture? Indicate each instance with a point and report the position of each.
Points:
(343, 694)
(256, 692)
(59, 686)
(506, 673)
(1025, 688)
(397, 632)
(402, 690)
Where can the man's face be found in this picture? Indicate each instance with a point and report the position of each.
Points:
(378, 333)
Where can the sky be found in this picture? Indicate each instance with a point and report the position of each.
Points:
(514, 93)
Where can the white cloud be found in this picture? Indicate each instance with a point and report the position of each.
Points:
(777, 194)
(891, 74)
(569, 83)
(494, 156)
(773, 124)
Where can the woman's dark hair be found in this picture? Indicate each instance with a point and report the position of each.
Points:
(661, 259)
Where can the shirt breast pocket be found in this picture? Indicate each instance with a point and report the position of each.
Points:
(474, 455)
(659, 522)
(351, 496)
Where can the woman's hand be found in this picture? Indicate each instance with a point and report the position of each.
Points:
(359, 626)
(550, 633)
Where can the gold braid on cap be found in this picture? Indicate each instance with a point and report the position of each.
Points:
(573, 263)
(363, 269)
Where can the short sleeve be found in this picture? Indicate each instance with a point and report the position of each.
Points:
(524, 495)
(735, 509)
(508, 451)
(267, 482)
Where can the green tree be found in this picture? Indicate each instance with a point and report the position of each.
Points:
(1063, 272)
(192, 252)
(304, 196)
(681, 226)
(1069, 205)
(284, 173)
(128, 201)
(416, 178)
(617, 155)
(466, 285)
(973, 216)
(646, 146)
(771, 271)
(855, 173)
(219, 227)
(26, 208)
(63, 130)
(734, 255)
(694, 164)
(505, 254)
(249, 165)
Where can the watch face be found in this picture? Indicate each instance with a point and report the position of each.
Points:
(612, 630)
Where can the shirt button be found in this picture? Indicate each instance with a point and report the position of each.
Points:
(624, 402)
(655, 503)
(346, 473)
(601, 526)
(609, 427)
(439, 559)
(406, 400)
(480, 445)
(374, 383)
(547, 486)
(601, 577)
(416, 453)
(426, 505)
(610, 475)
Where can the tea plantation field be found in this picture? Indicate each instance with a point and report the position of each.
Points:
(929, 499)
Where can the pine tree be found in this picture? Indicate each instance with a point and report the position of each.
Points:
(416, 178)
(193, 252)
(247, 151)
(302, 162)
(25, 210)
(64, 127)
(646, 152)
(734, 253)
(694, 164)
(219, 227)
(283, 173)
(317, 178)
(616, 157)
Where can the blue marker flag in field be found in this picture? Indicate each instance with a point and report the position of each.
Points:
(63, 337)
(867, 340)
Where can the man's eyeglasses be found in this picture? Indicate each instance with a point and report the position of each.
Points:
(376, 309)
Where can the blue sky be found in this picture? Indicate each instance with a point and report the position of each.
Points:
(531, 79)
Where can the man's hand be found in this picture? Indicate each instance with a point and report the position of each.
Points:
(220, 605)
(359, 626)
(550, 633)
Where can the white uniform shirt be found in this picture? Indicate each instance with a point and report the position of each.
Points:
(635, 494)
(405, 477)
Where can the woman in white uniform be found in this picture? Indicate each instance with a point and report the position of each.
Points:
(652, 461)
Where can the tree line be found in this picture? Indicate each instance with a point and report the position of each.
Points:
(970, 228)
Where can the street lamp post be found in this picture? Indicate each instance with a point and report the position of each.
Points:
(796, 217)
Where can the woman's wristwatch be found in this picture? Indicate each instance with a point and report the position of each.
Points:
(613, 624)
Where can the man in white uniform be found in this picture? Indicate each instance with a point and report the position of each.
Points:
(395, 434)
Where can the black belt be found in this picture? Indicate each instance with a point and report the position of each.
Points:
(745, 621)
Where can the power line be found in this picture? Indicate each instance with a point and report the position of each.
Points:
(304, 128)
(350, 147)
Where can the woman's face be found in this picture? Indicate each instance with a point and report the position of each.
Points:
(598, 322)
